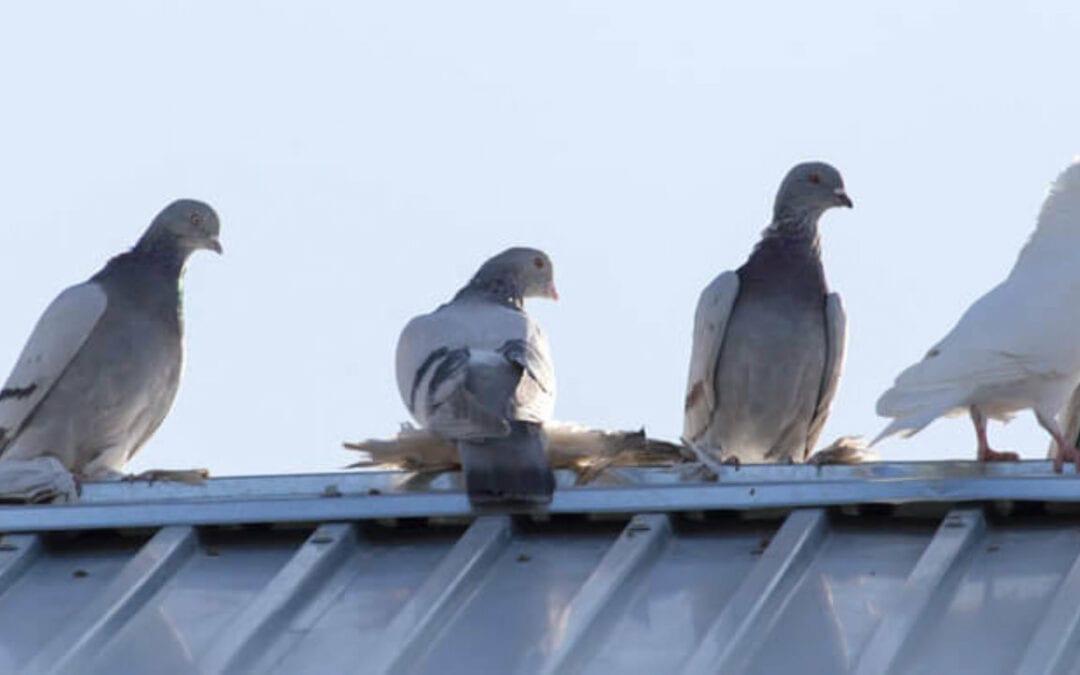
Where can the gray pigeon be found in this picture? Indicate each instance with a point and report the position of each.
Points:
(768, 341)
(102, 366)
(478, 371)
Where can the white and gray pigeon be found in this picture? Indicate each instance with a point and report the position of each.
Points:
(1014, 349)
(478, 371)
(102, 365)
(769, 337)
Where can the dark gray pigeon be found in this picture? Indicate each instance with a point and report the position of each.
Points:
(478, 371)
(768, 342)
(102, 366)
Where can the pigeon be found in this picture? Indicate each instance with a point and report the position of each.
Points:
(477, 371)
(769, 337)
(1015, 348)
(102, 366)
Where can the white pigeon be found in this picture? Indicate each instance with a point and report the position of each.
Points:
(1015, 348)
(477, 371)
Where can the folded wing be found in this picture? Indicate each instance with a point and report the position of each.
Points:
(461, 369)
(58, 336)
(710, 321)
(835, 347)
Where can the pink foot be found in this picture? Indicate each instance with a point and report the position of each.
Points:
(988, 455)
(1066, 452)
(985, 453)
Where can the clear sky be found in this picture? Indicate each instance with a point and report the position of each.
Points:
(365, 158)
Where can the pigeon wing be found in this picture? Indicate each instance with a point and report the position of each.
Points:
(710, 321)
(534, 396)
(58, 336)
(835, 347)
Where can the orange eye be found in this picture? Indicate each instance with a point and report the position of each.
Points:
(539, 262)
(815, 178)
(195, 219)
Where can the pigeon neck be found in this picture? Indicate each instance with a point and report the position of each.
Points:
(163, 252)
(148, 276)
(801, 226)
(496, 289)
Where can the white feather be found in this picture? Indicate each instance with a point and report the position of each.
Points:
(58, 336)
(1015, 348)
(38, 480)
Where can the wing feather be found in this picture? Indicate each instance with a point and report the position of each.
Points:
(438, 351)
(58, 336)
(534, 396)
(835, 348)
(710, 322)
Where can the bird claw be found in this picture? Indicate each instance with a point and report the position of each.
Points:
(988, 455)
(187, 476)
(1065, 451)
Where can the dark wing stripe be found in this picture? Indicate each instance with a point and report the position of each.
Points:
(452, 362)
(422, 371)
(517, 352)
(17, 392)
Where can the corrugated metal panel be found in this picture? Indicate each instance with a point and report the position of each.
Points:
(660, 576)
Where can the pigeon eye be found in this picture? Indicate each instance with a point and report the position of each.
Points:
(195, 219)
(815, 178)
(539, 263)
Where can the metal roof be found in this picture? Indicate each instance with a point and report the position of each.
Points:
(918, 567)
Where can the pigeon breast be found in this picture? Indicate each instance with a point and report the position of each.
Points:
(772, 361)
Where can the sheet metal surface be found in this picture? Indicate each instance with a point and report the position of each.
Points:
(927, 583)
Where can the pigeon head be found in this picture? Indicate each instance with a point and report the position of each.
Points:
(184, 226)
(517, 273)
(808, 190)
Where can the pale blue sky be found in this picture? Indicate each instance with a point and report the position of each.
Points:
(366, 157)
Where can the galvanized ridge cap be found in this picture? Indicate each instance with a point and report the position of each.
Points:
(362, 483)
(243, 487)
(306, 498)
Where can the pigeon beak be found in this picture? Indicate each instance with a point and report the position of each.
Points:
(842, 198)
(215, 245)
(551, 292)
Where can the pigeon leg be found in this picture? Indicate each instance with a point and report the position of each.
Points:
(985, 453)
(1064, 447)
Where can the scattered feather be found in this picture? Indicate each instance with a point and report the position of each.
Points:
(586, 451)
(845, 450)
(36, 481)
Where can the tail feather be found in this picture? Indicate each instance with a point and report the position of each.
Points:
(844, 450)
(904, 426)
(512, 468)
(913, 408)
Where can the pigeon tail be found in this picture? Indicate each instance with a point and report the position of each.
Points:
(514, 468)
(910, 424)
(914, 409)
